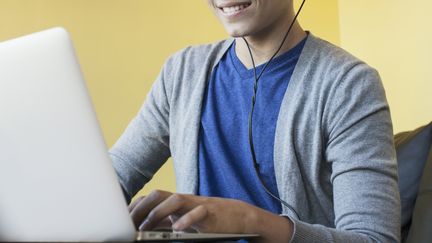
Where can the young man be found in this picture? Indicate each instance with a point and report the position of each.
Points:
(322, 137)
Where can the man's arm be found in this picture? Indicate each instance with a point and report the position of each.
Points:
(360, 149)
(144, 146)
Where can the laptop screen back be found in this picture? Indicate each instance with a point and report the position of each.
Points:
(56, 179)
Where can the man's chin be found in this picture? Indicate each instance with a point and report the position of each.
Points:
(238, 34)
(237, 30)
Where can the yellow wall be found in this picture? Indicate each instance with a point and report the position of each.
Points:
(121, 45)
(395, 37)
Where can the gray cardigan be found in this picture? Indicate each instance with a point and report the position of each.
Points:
(334, 155)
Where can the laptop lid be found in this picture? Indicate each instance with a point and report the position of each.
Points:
(56, 179)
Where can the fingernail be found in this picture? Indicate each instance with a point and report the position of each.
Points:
(143, 225)
(177, 226)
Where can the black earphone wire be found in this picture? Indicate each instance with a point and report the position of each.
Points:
(255, 89)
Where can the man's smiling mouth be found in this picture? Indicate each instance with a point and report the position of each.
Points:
(233, 8)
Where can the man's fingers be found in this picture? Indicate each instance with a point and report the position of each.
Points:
(135, 203)
(164, 225)
(194, 216)
(176, 203)
(145, 206)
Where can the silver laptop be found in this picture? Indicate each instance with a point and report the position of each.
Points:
(56, 179)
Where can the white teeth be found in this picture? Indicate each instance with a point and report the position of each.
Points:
(233, 9)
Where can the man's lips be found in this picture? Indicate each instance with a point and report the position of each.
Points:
(233, 7)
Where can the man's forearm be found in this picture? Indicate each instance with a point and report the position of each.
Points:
(271, 227)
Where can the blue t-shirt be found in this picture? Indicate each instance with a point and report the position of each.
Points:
(225, 161)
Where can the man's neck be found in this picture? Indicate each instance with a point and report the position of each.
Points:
(263, 46)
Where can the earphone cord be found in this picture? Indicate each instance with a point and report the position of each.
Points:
(255, 88)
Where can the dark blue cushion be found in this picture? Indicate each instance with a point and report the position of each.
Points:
(420, 230)
(412, 150)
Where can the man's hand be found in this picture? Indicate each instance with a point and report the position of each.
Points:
(209, 214)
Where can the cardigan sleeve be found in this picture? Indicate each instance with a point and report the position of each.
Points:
(144, 146)
(364, 169)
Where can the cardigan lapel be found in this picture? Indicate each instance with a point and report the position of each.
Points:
(186, 163)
